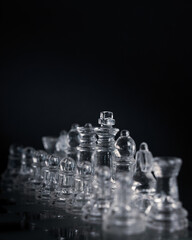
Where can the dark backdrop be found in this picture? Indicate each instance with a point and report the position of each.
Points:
(64, 64)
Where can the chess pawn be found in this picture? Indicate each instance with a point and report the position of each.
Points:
(105, 148)
(101, 198)
(144, 181)
(123, 218)
(83, 188)
(44, 175)
(26, 169)
(38, 162)
(167, 213)
(73, 142)
(65, 187)
(61, 145)
(51, 178)
(124, 154)
(13, 167)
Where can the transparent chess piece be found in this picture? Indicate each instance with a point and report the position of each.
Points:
(26, 169)
(65, 187)
(49, 143)
(82, 193)
(50, 180)
(124, 154)
(105, 148)
(44, 175)
(86, 148)
(123, 218)
(101, 198)
(73, 141)
(144, 181)
(13, 167)
(167, 213)
(35, 178)
(83, 174)
(61, 144)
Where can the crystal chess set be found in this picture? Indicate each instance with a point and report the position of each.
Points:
(89, 183)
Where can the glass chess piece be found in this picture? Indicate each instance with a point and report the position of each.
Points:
(87, 144)
(41, 178)
(13, 167)
(50, 179)
(82, 193)
(166, 212)
(123, 218)
(39, 162)
(73, 142)
(61, 145)
(101, 197)
(144, 182)
(65, 187)
(105, 148)
(26, 169)
(83, 175)
(34, 180)
(124, 160)
(49, 143)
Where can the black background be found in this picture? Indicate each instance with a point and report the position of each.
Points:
(64, 64)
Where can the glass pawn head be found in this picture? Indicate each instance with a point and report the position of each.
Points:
(85, 169)
(27, 156)
(39, 158)
(54, 160)
(49, 143)
(67, 165)
(125, 144)
(73, 136)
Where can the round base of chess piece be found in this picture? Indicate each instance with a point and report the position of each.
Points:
(169, 217)
(131, 224)
(166, 212)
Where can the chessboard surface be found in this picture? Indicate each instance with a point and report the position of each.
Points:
(26, 222)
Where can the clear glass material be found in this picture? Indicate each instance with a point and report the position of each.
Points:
(167, 212)
(73, 141)
(50, 179)
(124, 154)
(105, 148)
(61, 145)
(86, 148)
(144, 181)
(123, 218)
(49, 143)
(101, 198)
(83, 175)
(41, 178)
(35, 178)
(26, 169)
(82, 193)
(65, 187)
(13, 167)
